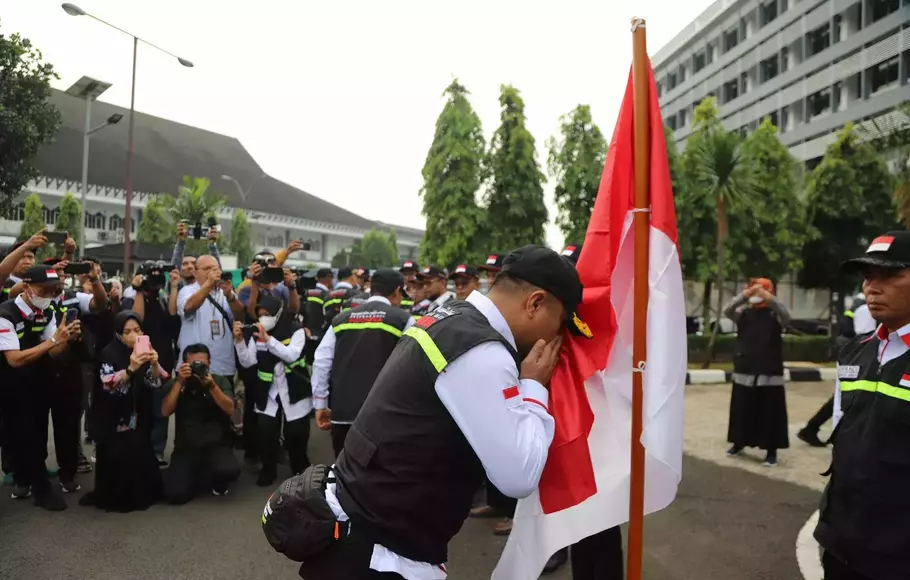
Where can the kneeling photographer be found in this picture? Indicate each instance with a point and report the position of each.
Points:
(203, 458)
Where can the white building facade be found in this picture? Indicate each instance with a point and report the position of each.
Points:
(810, 66)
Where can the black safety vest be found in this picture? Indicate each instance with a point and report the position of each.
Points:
(298, 379)
(759, 346)
(365, 337)
(29, 331)
(865, 511)
(407, 472)
(314, 311)
(4, 292)
(355, 300)
(335, 301)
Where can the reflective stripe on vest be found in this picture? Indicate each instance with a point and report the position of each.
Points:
(848, 313)
(264, 376)
(407, 303)
(876, 387)
(38, 328)
(332, 302)
(368, 326)
(297, 363)
(315, 299)
(429, 347)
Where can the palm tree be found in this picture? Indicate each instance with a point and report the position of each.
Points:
(196, 204)
(725, 179)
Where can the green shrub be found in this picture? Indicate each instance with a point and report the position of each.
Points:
(796, 348)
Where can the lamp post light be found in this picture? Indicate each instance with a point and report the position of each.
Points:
(243, 194)
(74, 10)
(89, 89)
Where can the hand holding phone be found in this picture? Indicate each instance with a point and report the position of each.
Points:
(56, 237)
(71, 315)
(143, 345)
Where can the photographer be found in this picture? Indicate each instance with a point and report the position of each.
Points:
(269, 279)
(188, 263)
(281, 386)
(202, 458)
(280, 258)
(162, 328)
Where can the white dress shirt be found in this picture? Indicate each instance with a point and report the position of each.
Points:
(197, 327)
(504, 418)
(324, 357)
(288, 353)
(9, 337)
(863, 322)
(440, 300)
(890, 346)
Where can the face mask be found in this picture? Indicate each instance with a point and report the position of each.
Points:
(40, 303)
(268, 322)
(756, 300)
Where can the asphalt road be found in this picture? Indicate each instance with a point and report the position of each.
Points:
(725, 523)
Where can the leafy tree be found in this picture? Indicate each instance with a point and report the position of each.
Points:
(28, 119)
(516, 213)
(352, 256)
(33, 222)
(241, 242)
(69, 219)
(576, 161)
(452, 175)
(891, 138)
(776, 238)
(378, 249)
(722, 178)
(155, 227)
(195, 203)
(849, 203)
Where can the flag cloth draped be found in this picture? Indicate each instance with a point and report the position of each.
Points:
(585, 485)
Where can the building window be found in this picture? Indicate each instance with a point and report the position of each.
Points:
(682, 73)
(276, 241)
(671, 122)
(698, 61)
(819, 103)
(818, 40)
(784, 5)
(115, 223)
(660, 90)
(885, 75)
(767, 12)
(882, 8)
(744, 83)
(743, 29)
(671, 81)
(17, 213)
(784, 59)
(775, 118)
(731, 39)
(95, 222)
(768, 68)
(730, 90)
(682, 118)
(709, 53)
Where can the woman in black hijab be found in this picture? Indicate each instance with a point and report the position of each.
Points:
(127, 476)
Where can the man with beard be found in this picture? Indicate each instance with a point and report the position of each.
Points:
(434, 280)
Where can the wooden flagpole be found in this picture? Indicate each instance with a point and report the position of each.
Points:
(642, 226)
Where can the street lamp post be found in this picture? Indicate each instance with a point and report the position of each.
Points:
(89, 89)
(74, 10)
(243, 194)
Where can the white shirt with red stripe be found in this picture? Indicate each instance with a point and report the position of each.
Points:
(503, 417)
(890, 346)
(9, 339)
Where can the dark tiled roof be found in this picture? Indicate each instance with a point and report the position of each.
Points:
(165, 151)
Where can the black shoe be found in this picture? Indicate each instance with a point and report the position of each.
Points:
(49, 499)
(69, 486)
(810, 437)
(771, 459)
(21, 492)
(735, 450)
(556, 561)
(266, 477)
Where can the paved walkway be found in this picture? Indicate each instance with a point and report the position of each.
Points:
(733, 519)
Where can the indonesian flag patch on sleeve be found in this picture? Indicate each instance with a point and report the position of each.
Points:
(905, 381)
(568, 251)
(880, 244)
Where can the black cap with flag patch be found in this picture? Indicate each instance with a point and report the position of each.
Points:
(409, 265)
(493, 263)
(572, 252)
(432, 272)
(891, 250)
(549, 271)
(41, 275)
(464, 270)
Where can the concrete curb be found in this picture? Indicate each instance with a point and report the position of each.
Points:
(803, 375)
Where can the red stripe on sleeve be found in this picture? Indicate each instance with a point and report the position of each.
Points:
(536, 402)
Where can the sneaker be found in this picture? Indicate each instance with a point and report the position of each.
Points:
(84, 465)
(810, 438)
(161, 461)
(770, 460)
(49, 499)
(21, 492)
(70, 486)
(734, 451)
(220, 493)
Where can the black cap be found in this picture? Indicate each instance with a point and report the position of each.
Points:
(393, 277)
(572, 252)
(493, 263)
(409, 265)
(345, 272)
(549, 271)
(41, 275)
(296, 519)
(432, 272)
(324, 273)
(464, 270)
(891, 250)
(362, 273)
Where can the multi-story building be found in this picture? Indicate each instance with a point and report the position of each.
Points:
(165, 151)
(811, 66)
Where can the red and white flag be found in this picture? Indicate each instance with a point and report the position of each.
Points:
(585, 484)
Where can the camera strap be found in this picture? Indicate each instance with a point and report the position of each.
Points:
(224, 313)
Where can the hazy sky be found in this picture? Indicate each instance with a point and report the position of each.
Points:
(339, 98)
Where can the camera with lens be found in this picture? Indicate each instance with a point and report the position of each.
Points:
(200, 371)
(248, 330)
(198, 230)
(154, 274)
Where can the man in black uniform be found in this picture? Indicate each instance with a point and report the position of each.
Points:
(492, 267)
(314, 311)
(408, 269)
(28, 333)
(435, 283)
(449, 405)
(864, 518)
(354, 350)
(344, 290)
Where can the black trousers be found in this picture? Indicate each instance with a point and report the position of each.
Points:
(339, 434)
(599, 557)
(296, 438)
(348, 559)
(502, 504)
(28, 412)
(192, 471)
(837, 570)
(7, 433)
(821, 416)
(65, 406)
(250, 421)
